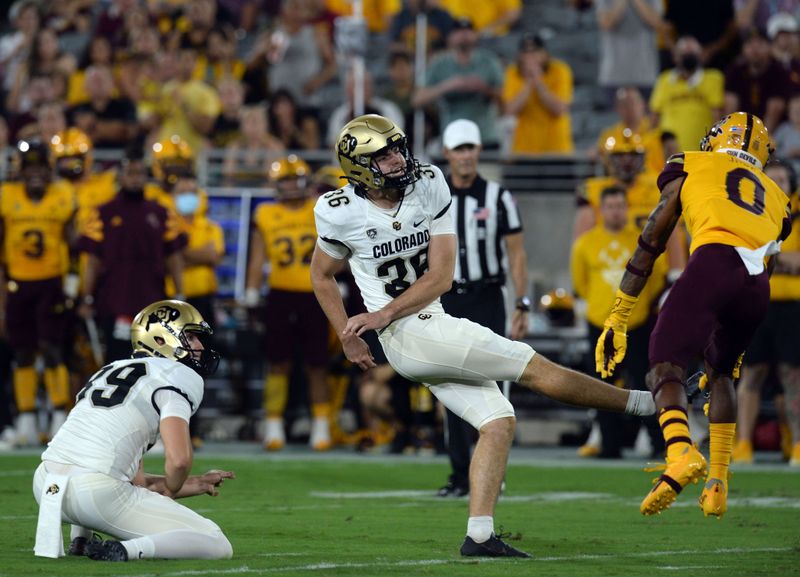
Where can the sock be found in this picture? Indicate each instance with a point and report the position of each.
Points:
(321, 410)
(640, 403)
(276, 393)
(56, 381)
(140, 548)
(480, 528)
(25, 385)
(720, 446)
(675, 426)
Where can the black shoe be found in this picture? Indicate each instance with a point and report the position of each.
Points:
(106, 551)
(493, 547)
(78, 545)
(453, 490)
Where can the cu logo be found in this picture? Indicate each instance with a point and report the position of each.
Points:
(423, 317)
(347, 143)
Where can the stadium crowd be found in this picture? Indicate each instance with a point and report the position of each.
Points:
(159, 87)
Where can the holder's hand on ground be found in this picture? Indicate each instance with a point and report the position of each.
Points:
(213, 479)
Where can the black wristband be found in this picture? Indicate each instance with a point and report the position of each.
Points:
(523, 304)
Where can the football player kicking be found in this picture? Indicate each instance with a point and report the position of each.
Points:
(736, 217)
(91, 474)
(392, 223)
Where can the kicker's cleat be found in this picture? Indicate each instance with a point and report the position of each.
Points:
(714, 498)
(492, 547)
(78, 545)
(106, 551)
(687, 468)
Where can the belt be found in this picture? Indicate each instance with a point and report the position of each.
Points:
(464, 287)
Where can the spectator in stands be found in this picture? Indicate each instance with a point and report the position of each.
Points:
(218, 61)
(403, 31)
(111, 22)
(466, 82)
(633, 119)
(296, 128)
(300, 55)
(372, 105)
(110, 122)
(628, 54)
(41, 88)
(775, 343)
(70, 16)
(195, 24)
(784, 35)
(756, 82)
(15, 46)
(538, 92)
(378, 14)
(400, 90)
(687, 99)
(712, 23)
(97, 53)
(51, 120)
(597, 263)
(147, 43)
(227, 126)
(489, 18)
(247, 158)
(757, 13)
(787, 137)
(132, 243)
(188, 106)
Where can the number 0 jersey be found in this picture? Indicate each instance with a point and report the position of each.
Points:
(117, 415)
(727, 200)
(34, 244)
(387, 248)
(289, 237)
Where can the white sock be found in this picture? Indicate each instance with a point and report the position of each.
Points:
(139, 548)
(480, 528)
(640, 403)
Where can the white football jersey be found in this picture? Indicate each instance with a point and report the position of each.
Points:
(387, 248)
(116, 417)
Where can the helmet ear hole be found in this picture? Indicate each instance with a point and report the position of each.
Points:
(159, 341)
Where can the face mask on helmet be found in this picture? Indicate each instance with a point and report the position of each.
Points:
(163, 330)
(365, 138)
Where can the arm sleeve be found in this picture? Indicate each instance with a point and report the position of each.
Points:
(171, 403)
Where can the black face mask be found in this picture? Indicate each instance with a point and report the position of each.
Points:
(133, 193)
(690, 62)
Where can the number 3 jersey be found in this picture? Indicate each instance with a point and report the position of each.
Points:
(289, 238)
(35, 247)
(726, 200)
(117, 414)
(387, 248)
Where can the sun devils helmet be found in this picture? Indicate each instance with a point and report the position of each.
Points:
(624, 157)
(294, 168)
(559, 307)
(159, 330)
(33, 152)
(72, 149)
(740, 131)
(328, 177)
(172, 158)
(364, 137)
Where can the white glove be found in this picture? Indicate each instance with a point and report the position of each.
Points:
(251, 297)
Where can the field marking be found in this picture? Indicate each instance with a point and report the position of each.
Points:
(323, 565)
(550, 496)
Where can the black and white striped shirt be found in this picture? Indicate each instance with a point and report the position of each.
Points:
(483, 213)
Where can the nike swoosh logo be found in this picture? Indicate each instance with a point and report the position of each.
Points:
(416, 224)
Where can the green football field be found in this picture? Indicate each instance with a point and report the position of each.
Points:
(345, 514)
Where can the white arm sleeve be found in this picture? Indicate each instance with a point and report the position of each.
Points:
(172, 404)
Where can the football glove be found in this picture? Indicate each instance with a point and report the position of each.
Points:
(613, 342)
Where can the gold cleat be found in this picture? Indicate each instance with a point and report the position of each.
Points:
(274, 445)
(588, 451)
(714, 499)
(689, 467)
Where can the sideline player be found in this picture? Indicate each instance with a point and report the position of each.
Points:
(92, 475)
(736, 216)
(393, 223)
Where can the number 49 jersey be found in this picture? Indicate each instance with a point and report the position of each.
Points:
(117, 415)
(387, 248)
(726, 200)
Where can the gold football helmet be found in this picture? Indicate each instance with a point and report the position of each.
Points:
(291, 176)
(363, 138)
(624, 157)
(159, 330)
(172, 158)
(328, 177)
(740, 131)
(559, 307)
(72, 149)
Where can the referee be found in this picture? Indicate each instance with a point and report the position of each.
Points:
(489, 233)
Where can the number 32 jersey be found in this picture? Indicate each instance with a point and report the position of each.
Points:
(727, 200)
(117, 415)
(387, 248)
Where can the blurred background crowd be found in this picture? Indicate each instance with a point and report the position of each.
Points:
(210, 108)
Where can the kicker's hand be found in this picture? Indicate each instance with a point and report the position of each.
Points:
(611, 348)
(357, 352)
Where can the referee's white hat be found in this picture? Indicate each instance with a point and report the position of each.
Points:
(461, 131)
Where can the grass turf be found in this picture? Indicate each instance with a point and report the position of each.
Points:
(376, 516)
